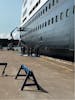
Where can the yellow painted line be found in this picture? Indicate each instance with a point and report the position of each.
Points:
(64, 67)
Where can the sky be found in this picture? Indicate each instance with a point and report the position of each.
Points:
(10, 16)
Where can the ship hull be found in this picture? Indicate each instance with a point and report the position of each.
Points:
(56, 38)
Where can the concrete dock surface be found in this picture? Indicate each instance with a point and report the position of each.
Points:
(55, 76)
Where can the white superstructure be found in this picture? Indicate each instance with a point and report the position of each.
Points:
(29, 8)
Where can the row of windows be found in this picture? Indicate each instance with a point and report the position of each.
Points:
(44, 10)
(54, 1)
(52, 20)
(34, 7)
(48, 7)
(73, 9)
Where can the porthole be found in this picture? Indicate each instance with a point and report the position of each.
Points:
(43, 11)
(52, 20)
(45, 24)
(61, 15)
(49, 22)
(67, 12)
(56, 18)
(40, 26)
(46, 9)
(73, 9)
(49, 5)
(53, 2)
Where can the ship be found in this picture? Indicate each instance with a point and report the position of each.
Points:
(47, 27)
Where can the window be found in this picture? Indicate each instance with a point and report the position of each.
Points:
(39, 1)
(45, 24)
(56, 18)
(53, 2)
(38, 27)
(49, 22)
(52, 20)
(73, 9)
(24, 19)
(36, 5)
(46, 9)
(43, 11)
(49, 5)
(61, 15)
(42, 25)
(67, 12)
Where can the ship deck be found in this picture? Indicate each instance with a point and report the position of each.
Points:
(54, 75)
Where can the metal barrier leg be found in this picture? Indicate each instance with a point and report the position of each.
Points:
(18, 73)
(4, 69)
(27, 77)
